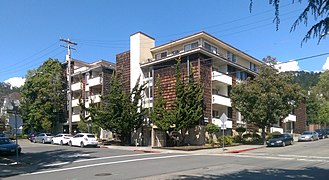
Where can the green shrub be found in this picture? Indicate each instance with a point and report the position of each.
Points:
(270, 135)
(228, 140)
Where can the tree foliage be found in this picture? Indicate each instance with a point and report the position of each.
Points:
(118, 112)
(43, 97)
(188, 107)
(266, 99)
(306, 80)
(319, 9)
(160, 115)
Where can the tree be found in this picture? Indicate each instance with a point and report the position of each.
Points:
(319, 9)
(160, 115)
(44, 97)
(322, 87)
(118, 112)
(188, 107)
(212, 129)
(313, 104)
(323, 114)
(266, 99)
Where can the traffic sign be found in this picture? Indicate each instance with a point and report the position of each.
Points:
(12, 122)
(223, 118)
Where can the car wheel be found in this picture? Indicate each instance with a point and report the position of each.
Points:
(291, 142)
(312, 139)
(82, 145)
(70, 143)
(61, 143)
(283, 144)
(43, 141)
(34, 141)
(52, 142)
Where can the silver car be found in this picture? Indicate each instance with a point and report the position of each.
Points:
(43, 138)
(308, 136)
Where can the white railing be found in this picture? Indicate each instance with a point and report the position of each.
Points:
(76, 86)
(75, 102)
(223, 78)
(95, 81)
(221, 100)
(95, 98)
(76, 118)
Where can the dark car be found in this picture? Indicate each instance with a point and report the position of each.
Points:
(7, 146)
(280, 140)
(32, 135)
(321, 133)
(2, 134)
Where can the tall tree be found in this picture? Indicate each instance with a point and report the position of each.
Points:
(266, 99)
(43, 99)
(160, 115)
(118, 112)
(319, 9)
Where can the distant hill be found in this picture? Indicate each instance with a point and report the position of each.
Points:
(306, 79)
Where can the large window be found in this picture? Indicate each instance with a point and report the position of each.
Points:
(253, 67)
(191, 46)
(161, 55)
(211, 48)
(231, 56)
(240, 75)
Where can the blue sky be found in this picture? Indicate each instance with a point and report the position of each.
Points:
(30, 30)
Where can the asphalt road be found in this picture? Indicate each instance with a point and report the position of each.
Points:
(307, 160)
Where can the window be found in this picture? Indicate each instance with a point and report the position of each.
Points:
(240, 75)
(231, 56)
(175, 52)
(160, 55)
(253, 67)
(191, 46)
(210, 48)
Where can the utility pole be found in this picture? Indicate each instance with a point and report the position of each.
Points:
(68, 59)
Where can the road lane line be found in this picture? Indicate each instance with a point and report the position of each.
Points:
(107, 163)
(94, 159)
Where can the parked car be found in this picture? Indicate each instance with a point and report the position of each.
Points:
(7, 146)
(280, 140)
(83, 139)
(308, 136)
(32, 135)
(61, 139)
(2, 134)
(43, 138)
(321, 133)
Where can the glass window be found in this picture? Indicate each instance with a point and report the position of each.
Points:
(187, 47)
(253, 67)
(231, 56)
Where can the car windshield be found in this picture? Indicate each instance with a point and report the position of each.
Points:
(318, 130)
(307, 133)
(5, 141)
(48, 134)
(277, 136)
(91, 136)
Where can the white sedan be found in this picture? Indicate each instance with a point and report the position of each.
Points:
(83, 139)
(61, 139)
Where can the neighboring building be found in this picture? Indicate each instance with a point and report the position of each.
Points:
(4, 115)
(216, 63)
(88, 81)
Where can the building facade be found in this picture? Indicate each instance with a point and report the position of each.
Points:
(88, 81)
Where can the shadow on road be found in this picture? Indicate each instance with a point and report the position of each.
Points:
(268, 174)
(32, 162)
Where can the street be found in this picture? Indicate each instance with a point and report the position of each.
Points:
(303, 160)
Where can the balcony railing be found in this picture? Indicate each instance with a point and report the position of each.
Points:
(75, 102)
(95, 98)
(76, 86)
(76, 118)
(220, 77)
(290, 118)
(221, 100)
(95, 81)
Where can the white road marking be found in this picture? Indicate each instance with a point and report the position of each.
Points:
(94, 159)
(107, 163)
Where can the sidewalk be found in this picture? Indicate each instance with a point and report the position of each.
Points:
(148, 149)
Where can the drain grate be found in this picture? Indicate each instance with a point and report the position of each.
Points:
(103, 174)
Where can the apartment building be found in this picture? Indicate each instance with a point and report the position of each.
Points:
(216, 63)
(88, 81)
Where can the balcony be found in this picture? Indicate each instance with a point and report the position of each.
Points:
(75, 102)
(218, 122)
(148, 81)
(95, 99)
(95, 81)
(290, 118)
(222, 78)
(221, 100)
(76, 118)
(76, 86)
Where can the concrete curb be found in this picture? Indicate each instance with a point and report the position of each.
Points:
(243, 150)
(146, 151)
